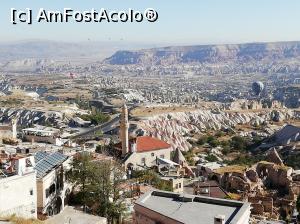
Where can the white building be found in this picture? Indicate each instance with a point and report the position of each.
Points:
(140, 152)
(42, 134)
(52, 189)
(143, 152)
(18, 193)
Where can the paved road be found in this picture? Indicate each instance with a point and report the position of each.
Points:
(106, 127)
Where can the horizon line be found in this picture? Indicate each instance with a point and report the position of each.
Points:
(168, 44)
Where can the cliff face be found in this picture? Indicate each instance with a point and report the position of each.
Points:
(242, 53)
(175, 127)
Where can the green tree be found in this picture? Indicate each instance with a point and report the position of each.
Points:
(212, 141)
(80, 175)
(246, 160)
(107, 187)
(226, 150)
(219, 134)
(152, 178)
(225, 147)
(100, 186)
(189, 156)
(202, 140)
(95, 118)
(239, 143)
(211, 158)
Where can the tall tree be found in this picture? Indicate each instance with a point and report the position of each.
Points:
(107, 186)
(100, 185)
(80, 175)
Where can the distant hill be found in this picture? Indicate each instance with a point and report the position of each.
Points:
(208, 54)
(32, 55)
(45, 49)
(25, 65)
(41, 49)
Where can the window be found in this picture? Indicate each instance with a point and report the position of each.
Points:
(143, 161)
(152, 154)
(28, 163)
(162, 156)
(31, 192)
(47, 193)
(179, 185)
(176, 186)
(52, 189)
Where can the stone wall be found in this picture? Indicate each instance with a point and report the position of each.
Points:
(275, 176)
(266, 202)
(257, 209)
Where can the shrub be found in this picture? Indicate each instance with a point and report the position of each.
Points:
(189, 157)
(226, 149)
(239, 143)
(219, 134)
(293, 161)
(202, 140)
(96, 119)
(214, 143)
(246, 160)
(211, 158)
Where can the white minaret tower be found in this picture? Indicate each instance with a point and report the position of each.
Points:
(14, 127)
(124, 126)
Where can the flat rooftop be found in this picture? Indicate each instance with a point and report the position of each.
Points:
(192, 209)
(75, 216)
(39, 128)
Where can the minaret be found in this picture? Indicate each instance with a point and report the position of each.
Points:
(14, 128)
(124, 125)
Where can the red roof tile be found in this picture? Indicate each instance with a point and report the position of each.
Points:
(147, 143)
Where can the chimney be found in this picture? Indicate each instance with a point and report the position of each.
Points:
(219, 219)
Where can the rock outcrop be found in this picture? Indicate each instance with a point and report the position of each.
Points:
(176, 127)
(275, 176)
(29, 117)
(274, 157)
(242, 53)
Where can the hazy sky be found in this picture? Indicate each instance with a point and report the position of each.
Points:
(180, 21)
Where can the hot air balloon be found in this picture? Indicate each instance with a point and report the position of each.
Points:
(257, 88)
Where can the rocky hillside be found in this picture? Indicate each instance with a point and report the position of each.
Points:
(176, 127)
(208, 54)
(30, 117)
